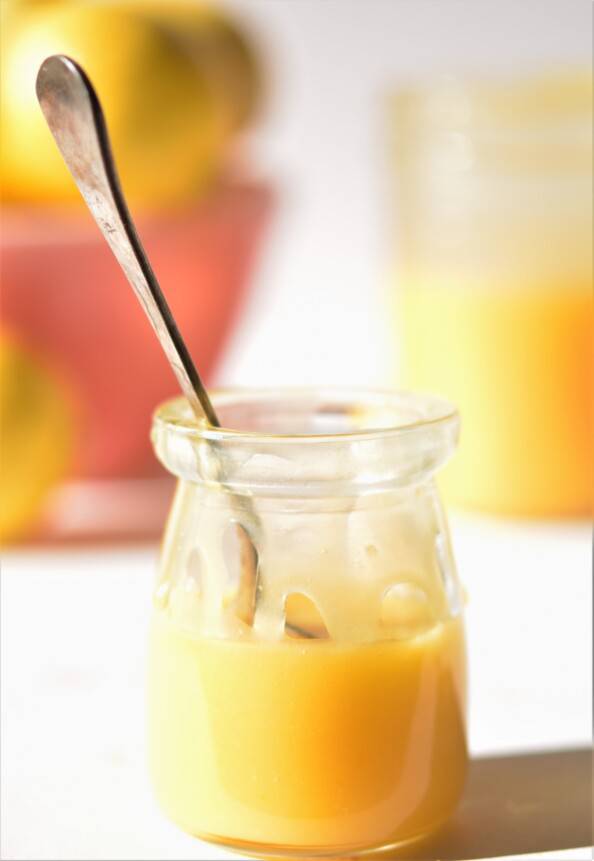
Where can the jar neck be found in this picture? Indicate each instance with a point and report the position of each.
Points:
(308, 443)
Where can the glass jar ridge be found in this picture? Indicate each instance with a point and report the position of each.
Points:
(308, 442)
(331, 495)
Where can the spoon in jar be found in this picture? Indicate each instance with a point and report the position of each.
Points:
(75, 118)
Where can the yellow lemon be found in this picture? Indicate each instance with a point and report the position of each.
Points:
(36, 437)
(220, 50)
(166, 126)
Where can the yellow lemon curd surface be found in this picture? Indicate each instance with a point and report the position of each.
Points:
(518, 362)
(307, 745)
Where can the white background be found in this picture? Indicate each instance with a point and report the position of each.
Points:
(73, 623)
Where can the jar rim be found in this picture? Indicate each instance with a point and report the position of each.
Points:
(427, 411)
(517, 99)
(391, 439)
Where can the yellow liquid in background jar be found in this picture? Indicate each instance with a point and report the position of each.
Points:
(308, 745)
(518, 362)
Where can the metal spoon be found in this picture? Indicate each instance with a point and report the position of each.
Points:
(75, 117)
(76, 120)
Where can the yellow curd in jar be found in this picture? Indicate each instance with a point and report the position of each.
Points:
(307, 744)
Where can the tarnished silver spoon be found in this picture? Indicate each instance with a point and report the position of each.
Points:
(75, 117)
(76, 120)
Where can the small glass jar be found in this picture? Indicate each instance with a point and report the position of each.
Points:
(307, 659)
(494, 297)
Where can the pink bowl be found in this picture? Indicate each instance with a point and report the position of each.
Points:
(63, 293)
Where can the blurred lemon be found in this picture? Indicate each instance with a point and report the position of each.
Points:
(165, 120)
(36, 436)
(220, 50)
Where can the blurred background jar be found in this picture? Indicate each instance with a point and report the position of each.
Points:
(494, 295)
(182, 83)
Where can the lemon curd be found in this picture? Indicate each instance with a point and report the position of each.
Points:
(313, 744)
(307, 691)
(520, 363)
(494, 292)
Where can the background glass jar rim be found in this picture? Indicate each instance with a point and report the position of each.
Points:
(524, 125)
(308, 441)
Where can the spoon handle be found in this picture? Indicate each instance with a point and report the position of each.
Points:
(76, 120)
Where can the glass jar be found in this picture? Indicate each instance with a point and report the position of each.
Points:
(307, 667)
(494, 297)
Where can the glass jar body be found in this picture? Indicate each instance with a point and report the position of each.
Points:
(328, 716)
(494, 292)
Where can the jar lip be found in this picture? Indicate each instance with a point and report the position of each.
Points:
(519, 98)
(427, 411)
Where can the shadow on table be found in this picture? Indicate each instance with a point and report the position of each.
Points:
(512, 805)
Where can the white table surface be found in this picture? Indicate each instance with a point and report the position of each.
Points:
(74, 784)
